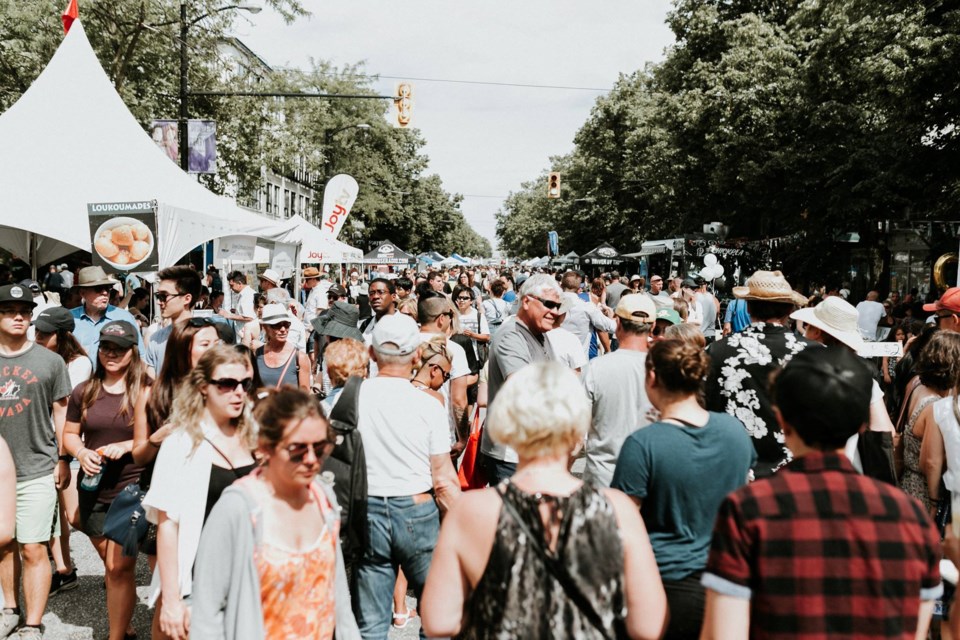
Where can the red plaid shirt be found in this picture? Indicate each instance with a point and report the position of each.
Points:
(824, 552)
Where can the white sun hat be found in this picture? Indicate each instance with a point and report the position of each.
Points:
(834, 316)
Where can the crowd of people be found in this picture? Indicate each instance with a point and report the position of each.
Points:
(540, 455)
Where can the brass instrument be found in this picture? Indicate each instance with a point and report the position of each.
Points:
(941, 276)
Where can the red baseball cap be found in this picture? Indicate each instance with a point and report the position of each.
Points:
(950, 300)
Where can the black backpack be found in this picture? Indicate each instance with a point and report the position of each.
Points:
(348, 465)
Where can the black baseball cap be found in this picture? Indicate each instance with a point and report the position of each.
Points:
(16, 293)
(53, 319)
(120, 333)
(33, 285)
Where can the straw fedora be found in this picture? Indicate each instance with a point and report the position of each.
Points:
(836, 317)
(769, 286)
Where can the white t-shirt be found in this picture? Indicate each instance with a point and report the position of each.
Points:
(850, 449)
(401, 428)
(468, 322)
(567, 347)
(79, 371)
(459, 367)
(869, 314)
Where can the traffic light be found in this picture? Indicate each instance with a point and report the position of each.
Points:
(403, 105)
(553, 185)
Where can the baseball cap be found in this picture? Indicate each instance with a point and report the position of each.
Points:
(670, 315)
(53, 319)
(399, 330)
(950, 300)
(337, 290)
(637, 307)
(33, 285)
(120, 333)
(688, 283)
(16, 293)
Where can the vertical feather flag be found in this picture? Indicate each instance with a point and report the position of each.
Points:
(71, 13)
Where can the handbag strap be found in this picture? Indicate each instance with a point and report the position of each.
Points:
(286, 367)
(222, 455)
(556, 568)
(906, 403)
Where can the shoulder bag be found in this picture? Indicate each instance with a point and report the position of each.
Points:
(126, 520)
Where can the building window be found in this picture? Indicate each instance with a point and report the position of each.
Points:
(269, 209)
(276, 200)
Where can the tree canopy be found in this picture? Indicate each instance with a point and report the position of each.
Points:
(773, 116)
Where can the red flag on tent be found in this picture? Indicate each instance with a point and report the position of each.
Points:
(71, 13)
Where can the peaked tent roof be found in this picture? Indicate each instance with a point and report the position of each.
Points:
(388, 253)
(605, 254)
(70, 140)
(317, 246)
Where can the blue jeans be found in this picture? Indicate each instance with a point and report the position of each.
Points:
(497, 470)
(401, 533)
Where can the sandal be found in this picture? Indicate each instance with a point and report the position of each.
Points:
(400, 620)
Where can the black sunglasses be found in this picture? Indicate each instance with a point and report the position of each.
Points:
(298, 450)
(103, 288)
(549, 304)
(278, 326)
(226, 385)
(464, 298)
(333, 295)
(446, 374)
(162, 297)
(942, 318)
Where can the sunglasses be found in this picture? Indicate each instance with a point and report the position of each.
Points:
(548, 304)
(445, 374)
(104, 288)
(112, 349)
(298, 450)
(162, 297)
(941, 318)
(278, 326)
(226, 385)
(464, 298)
(333, 296)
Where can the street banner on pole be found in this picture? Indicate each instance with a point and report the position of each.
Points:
(338, 198)
(124, 235)
(553, 243)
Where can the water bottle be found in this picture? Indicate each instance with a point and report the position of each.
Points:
(90, 483)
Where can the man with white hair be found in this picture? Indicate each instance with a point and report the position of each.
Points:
(406, 443)
(66, 275)
(521, 340)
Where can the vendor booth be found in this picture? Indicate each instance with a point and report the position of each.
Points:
(603, 258)
(388, 254)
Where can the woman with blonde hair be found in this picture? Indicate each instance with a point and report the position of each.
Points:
(344, 358)
(543, 555)
(686, 332)
(210, 446)
(270, 563)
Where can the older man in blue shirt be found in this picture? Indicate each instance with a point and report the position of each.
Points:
(96, 310)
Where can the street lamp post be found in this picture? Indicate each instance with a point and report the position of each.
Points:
(184, 90)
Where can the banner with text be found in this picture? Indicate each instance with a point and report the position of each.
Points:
(338, 198)
(124, 235)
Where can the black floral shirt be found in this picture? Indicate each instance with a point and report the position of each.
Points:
(739, 382)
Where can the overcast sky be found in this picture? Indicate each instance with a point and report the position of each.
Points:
(482, 140)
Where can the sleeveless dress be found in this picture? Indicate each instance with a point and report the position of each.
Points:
(914, 483)
(518, 597)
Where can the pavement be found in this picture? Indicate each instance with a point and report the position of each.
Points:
(81, 614)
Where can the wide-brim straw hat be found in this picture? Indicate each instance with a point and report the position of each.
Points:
(836, 317)
(769, 286)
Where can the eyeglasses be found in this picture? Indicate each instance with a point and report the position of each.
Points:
(113, 350)
(26, 312)
(464, 298)
(445, 374)
(549, 304)
(226, 385)
(103, 288)
(941, 318)
(333, 296)
(162, 296)
(278, 326)
(298, 450)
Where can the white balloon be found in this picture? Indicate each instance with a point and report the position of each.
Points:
(718, 270)
(707, 273)
(710, 259)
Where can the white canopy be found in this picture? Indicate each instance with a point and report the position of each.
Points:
(317, 247)
(70, 140)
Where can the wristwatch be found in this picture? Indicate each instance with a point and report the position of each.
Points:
(66, 458)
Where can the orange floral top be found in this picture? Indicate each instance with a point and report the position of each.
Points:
(297, 587)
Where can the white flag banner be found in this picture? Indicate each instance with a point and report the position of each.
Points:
(236, 248)
(338, 198)
(283, 259)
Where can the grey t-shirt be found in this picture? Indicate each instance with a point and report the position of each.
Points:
(619, 406)
(614, 291)
(512, 348)
(29, 385)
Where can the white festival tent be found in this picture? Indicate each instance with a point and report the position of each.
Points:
(70, 140)
(316, 246)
